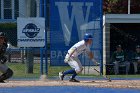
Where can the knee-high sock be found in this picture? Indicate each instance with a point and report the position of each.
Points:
(71, 71)
(74, 75)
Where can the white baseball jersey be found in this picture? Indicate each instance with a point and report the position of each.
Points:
(72, 56)
(79, 47)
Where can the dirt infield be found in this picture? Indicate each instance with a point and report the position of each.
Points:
(96, 83)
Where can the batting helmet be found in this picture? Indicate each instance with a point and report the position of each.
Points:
(87, 36)
(2, 34)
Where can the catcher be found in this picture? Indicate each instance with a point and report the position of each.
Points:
(72, 57)
(4, 69)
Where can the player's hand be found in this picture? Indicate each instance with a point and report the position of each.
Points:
(95, 62)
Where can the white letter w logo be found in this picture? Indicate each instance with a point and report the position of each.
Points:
(68, 16)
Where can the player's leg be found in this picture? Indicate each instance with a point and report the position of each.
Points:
(127, 66)
(76, 68)
(70, 71)
(116, 67)
(76, 64)
(72, 64)
(7, 73)
(135, 67)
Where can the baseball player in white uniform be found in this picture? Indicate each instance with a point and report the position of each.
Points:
(72, 57)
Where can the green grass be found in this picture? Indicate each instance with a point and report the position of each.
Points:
(54, 70)
(20, 71)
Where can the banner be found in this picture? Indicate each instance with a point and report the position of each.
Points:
(31, 32)
(69, 21)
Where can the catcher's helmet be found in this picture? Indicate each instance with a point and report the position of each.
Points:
(2, 34)
(87, 36)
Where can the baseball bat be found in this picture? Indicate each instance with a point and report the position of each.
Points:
(106, 77)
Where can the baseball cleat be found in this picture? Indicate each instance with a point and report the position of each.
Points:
(2, 81)
(74, 80)
(109, 80)
(61, 76)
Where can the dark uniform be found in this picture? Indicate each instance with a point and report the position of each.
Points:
(5, 70)
(136, 59)
(119, 58)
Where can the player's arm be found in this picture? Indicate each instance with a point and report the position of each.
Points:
(91, 56)
(112, 59)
